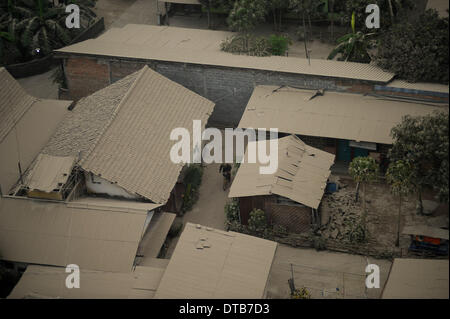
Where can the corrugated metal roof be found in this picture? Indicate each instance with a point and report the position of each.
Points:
(49, 282)
(424, 230)
(112, 205)
(209, 263)
(302, 174)
(51, 233)
(134, 150)
(49, 172)
(14, 102)
(417, 279)
(336, 115)
(203, 47)
(419, 86)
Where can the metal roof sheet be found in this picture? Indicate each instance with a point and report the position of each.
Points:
(419, 86)
(209, 263)
(336, 115)
(417, 279)
(49, 282)
(134, 150)
(196, 46)
(14, 102)
(302, 174)
(49, 173)
(424, 230)
(52, 233)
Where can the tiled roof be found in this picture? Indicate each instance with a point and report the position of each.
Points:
(134, 149)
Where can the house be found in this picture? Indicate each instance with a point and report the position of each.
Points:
(99, 191)
(209, 263)
(417, 279)
(120, 137)
(345, 124)
(291, 196)
(26, 124)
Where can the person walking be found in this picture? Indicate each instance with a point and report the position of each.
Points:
(225, 169)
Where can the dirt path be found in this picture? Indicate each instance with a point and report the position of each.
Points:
(208, 210)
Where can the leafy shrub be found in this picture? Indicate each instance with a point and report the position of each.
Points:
(319, 243)
(246, 44)
(257, 221)
(175, 229)
(279, 44)
(232, 211)
(301, 293)
(419, 51)
(358, 234)
(192, 180)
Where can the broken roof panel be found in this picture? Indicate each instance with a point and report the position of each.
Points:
(134, 149)
(49, 173)
(302, 174)
(49, 282)
(187, 45)
(417, 279)
(336, 115)
(209, 263)
(52, 233)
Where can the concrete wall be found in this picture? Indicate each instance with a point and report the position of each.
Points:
(98, 185)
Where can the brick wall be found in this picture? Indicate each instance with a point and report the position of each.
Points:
(85, 76)
(229, 88)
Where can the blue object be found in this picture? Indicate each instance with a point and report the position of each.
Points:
(331, 187)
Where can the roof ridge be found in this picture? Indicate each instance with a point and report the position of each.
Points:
(114, 114)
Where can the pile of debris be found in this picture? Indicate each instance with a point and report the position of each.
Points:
(341, 215)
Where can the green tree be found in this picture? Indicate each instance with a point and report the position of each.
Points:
(277, 7)
(417, 51)
(353, 47)
(390, 11)
(423, 142)
(246, 15)
(363, 170)
(400, 177)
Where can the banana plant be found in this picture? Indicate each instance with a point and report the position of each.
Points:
(354, 46)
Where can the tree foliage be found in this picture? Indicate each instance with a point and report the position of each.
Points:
(399, 176)
(423, 143)
(363, 169)
(353, 47)
(417, 51)
(257, 221)
(246, 14)
(32, 28)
